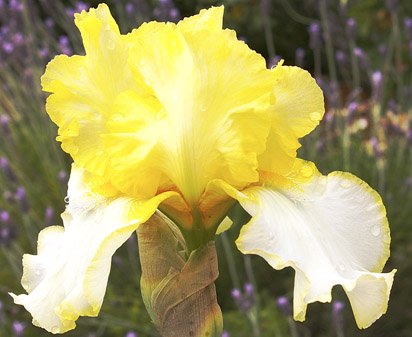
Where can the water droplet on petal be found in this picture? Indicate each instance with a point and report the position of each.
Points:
(271, 236)
(66, 199)
(55, 329)
(376, 230)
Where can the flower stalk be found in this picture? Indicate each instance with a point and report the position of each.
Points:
(177, 310)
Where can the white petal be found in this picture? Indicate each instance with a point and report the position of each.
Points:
(68, 276)
(332, 231)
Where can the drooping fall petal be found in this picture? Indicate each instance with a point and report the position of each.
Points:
(332, 230)
(68, 276)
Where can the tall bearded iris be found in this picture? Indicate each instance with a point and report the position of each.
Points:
(186, 119)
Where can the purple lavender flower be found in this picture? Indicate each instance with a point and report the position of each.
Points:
(62, 176)
(300, 57)
(351, 28)
(15, 5)
(284, 306)
(244, 301)
(377, 80)
(352, 109)
(49, 22)
(392, 106)
(337, 307)
(337, 310)
(273, 61)
(5, 167)
(64, 45)
(315, 35)
(5, 124)
(236, 294)
(18, 328)
(4, 217)
(166, 11)
(81, 6)
(131, 334)
(407, 24)
(21, 197)
(7, 235)
(249, 290)
(409, 136)
(43, 52)
(70, 12)
(340, 57)
(18, 39)
(361, 56)
(377, 151)
(8, 47)
(225, 334)
(48, 216)
(129, 7)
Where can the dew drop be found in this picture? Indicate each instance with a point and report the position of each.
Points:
(376, 230)
(66, 199)
(271, 236)
(55, 329)
(315, 116)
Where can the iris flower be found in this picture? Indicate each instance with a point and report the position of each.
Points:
(185, 118)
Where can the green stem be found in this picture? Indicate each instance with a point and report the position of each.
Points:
(270, 45)
(328, 41)
(292, 327)
(230, 260)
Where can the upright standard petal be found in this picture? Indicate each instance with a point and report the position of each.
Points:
(332, 230)
(68, 276)
(297, 110)
(215, 93)
(176, 105)
(84, 89)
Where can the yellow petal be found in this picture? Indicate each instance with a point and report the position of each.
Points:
(215, 92)
(175, 105)
(298, 108)
(68, 276)
(208, 19)
(84, 88)
(332, 230)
